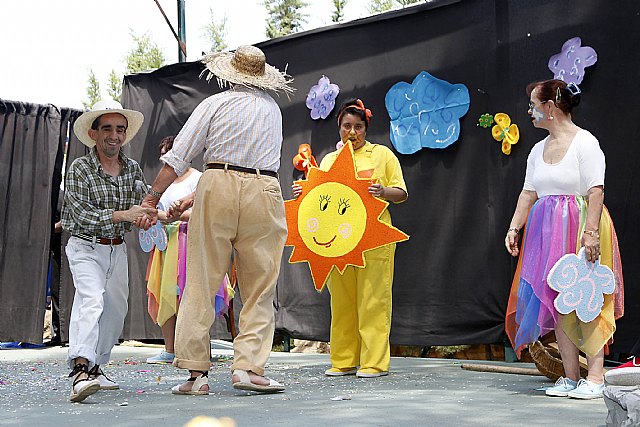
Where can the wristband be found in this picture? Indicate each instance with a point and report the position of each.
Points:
(155, 194)
(515, 230)
(592, 233)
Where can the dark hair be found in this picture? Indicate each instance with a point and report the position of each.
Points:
(166, 143)
(351, 106)
(96, 123)
(556, 91)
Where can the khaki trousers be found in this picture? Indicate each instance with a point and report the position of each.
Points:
(361, 312)
(245, 212)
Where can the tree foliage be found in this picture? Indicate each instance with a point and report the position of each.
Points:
(380, 6)
(93, 90)
(216, 32)
(405, 3)
(338, 10)
(115, 86)
(145, 55)
(284, 17)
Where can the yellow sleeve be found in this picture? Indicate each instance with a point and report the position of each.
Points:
(392, 175)
(328, 161)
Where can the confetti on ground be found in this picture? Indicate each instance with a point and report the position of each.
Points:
(344, 397)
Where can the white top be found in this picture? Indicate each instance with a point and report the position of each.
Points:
(178, 190)
(240, 126)
(581, 168)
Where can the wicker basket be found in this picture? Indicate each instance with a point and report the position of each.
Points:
(549, 362)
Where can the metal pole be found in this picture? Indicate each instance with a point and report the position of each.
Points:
(182, 32)
(182, 54)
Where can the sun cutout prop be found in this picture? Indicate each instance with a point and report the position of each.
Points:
(335, 220)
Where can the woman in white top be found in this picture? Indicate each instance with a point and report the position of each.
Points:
(161, 309)
(561, 204)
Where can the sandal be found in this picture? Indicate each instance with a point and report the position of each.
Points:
(197, 383)
(81, 388)
(246, 384)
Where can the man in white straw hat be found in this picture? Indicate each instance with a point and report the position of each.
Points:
(238, 206)
(103, 191)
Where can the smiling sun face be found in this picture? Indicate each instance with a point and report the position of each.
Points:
(330, 219)
(335, 220)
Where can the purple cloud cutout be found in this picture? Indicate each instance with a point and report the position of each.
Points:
(569, 64)
(322, 98)
(581, 285)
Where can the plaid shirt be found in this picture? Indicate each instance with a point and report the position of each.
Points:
(240, 126)
(91, 196)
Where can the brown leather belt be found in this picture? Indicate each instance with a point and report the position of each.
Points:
(101, 240)
(241, 169)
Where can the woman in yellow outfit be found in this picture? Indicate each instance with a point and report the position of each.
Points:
(361, 297)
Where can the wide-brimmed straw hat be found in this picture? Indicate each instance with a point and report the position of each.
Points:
(83, 123)
(246, 66)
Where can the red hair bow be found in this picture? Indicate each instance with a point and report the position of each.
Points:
(304, 160)
(359, 105)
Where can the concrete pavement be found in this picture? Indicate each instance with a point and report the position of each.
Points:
(418, 392)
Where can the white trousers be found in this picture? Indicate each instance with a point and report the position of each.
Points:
(101, 278)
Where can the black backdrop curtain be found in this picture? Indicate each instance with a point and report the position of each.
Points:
(32, 139)
(453, 276)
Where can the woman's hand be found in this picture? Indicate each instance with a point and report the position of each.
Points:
(591, 243)
(511, 242)
(297, 190)
(377, 190)
(178, 207)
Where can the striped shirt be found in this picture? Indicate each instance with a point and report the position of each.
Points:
(91, 196)
(240, 126)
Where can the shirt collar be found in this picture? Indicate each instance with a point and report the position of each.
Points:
(93, 156)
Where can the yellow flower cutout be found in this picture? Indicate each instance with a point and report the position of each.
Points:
(505, 132)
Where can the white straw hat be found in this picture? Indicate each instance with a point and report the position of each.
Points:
(83, 123)
(246, 66)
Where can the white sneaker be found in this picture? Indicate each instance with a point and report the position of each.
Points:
(561, 388)
(587, 390)
(82, 388)
(105, 382)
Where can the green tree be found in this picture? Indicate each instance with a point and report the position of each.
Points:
(284, 17)
(216, 32)
(405, 3)
(380, 6)
(93, 90)
(145, 55)
(338, 10)
(115, 86)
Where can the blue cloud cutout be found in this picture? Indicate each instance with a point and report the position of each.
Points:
(580, 285)
(425, 113)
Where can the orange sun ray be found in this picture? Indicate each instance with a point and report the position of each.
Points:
(336, 196)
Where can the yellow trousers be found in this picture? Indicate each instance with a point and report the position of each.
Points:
(245, 212)
(361, 312)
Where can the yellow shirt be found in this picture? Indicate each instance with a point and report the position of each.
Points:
(376, 162)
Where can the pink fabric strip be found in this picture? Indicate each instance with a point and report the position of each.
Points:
(182, 257)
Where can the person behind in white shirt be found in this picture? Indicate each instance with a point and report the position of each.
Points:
(183, 186)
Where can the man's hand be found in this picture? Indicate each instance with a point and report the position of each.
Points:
(144, 215)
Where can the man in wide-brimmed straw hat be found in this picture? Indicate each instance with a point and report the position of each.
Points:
(238, 206)
(103, 191)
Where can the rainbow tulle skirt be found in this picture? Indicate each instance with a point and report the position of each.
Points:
(554, 228)
(167, 275)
